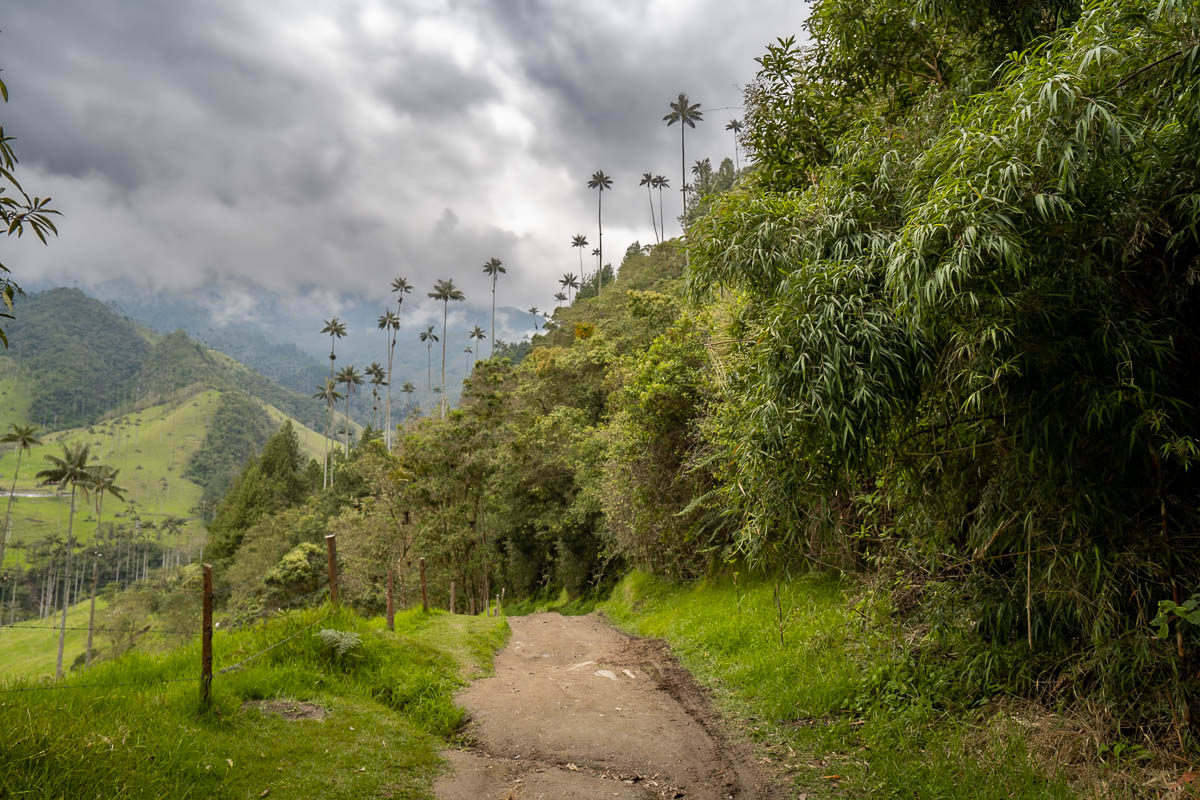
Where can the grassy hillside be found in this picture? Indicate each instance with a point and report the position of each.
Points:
(31, 649)
(151, 447)
(296, 722)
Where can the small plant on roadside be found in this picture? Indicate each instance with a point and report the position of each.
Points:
(340, 646)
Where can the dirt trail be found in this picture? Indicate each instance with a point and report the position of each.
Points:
(577, 709)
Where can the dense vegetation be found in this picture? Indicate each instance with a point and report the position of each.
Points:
(939, 331)
(86, 359)
(238, 430)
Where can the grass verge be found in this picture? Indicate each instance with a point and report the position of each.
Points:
(359, 713)
(831, 704)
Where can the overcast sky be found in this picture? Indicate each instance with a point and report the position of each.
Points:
(317, 148)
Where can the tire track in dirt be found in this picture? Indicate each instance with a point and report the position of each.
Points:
(578, 709)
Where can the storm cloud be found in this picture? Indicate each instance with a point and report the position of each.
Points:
(314, 149)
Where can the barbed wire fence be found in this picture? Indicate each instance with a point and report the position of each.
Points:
(208, 627)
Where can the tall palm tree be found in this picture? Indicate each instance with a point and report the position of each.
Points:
(378, 378)
(24, 437)
(445, 291)
(468, 351)
(408, 389)
(401, 287)
(569, 281)
(429, 337)
(336, 330)
(560, 297)
(660, 183)
(104, 481)
(735, 125)
(534, 310)
(330, 395)
(648, 181)
(72, 468)
(478, 334)
(580, 241)
(492, 267)
(389, 323)
(596, 253)
(353, 379)
(687, 114)
(600, 182)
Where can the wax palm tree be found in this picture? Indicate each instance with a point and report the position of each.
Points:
(103, 481)
(534, 310)
(378, 378)
(600, 182)
(580, 241)
(478, 334)
(330, 395)
(687, 114)
(735, 126)
(596, 253)
(660, 182)
(401, 287)
(569, 281)
(408, 389)
(429, 337)
(389, 323)
(72, 468)
(353, 379)
(445, 291)
(24, 437)
(648, 181)
(468, 351)
(336, 330)
(492, 267)
(560, 297)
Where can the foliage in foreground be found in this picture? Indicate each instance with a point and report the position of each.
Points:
(848, 706)
(385, 702)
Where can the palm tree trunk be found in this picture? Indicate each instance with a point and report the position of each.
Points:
(87, 659)
(445, 310)
(682, 172)
(662, 226)
(8, 513)
(62, 630)
(493, 315)
(600, 225)
(387, 414)
(429, 374)
(650, 197)
(346, 422)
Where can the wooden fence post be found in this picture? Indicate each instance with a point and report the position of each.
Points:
(331, 549)
(452, 587)
(391, 607)
(206, 630)
(424, 595)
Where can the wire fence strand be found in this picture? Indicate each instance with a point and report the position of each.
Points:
(271, 647)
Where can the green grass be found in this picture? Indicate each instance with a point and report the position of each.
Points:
(31, 650)
(389, 711)
(833, 704)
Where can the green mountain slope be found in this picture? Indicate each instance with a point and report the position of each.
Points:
(86, 358)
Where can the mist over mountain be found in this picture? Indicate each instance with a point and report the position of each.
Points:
(279, 335)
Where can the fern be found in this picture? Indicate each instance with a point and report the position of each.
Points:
(339, 645)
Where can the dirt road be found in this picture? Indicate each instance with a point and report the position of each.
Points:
(577, 709)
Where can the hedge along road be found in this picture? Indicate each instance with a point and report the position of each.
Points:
(577, 709)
